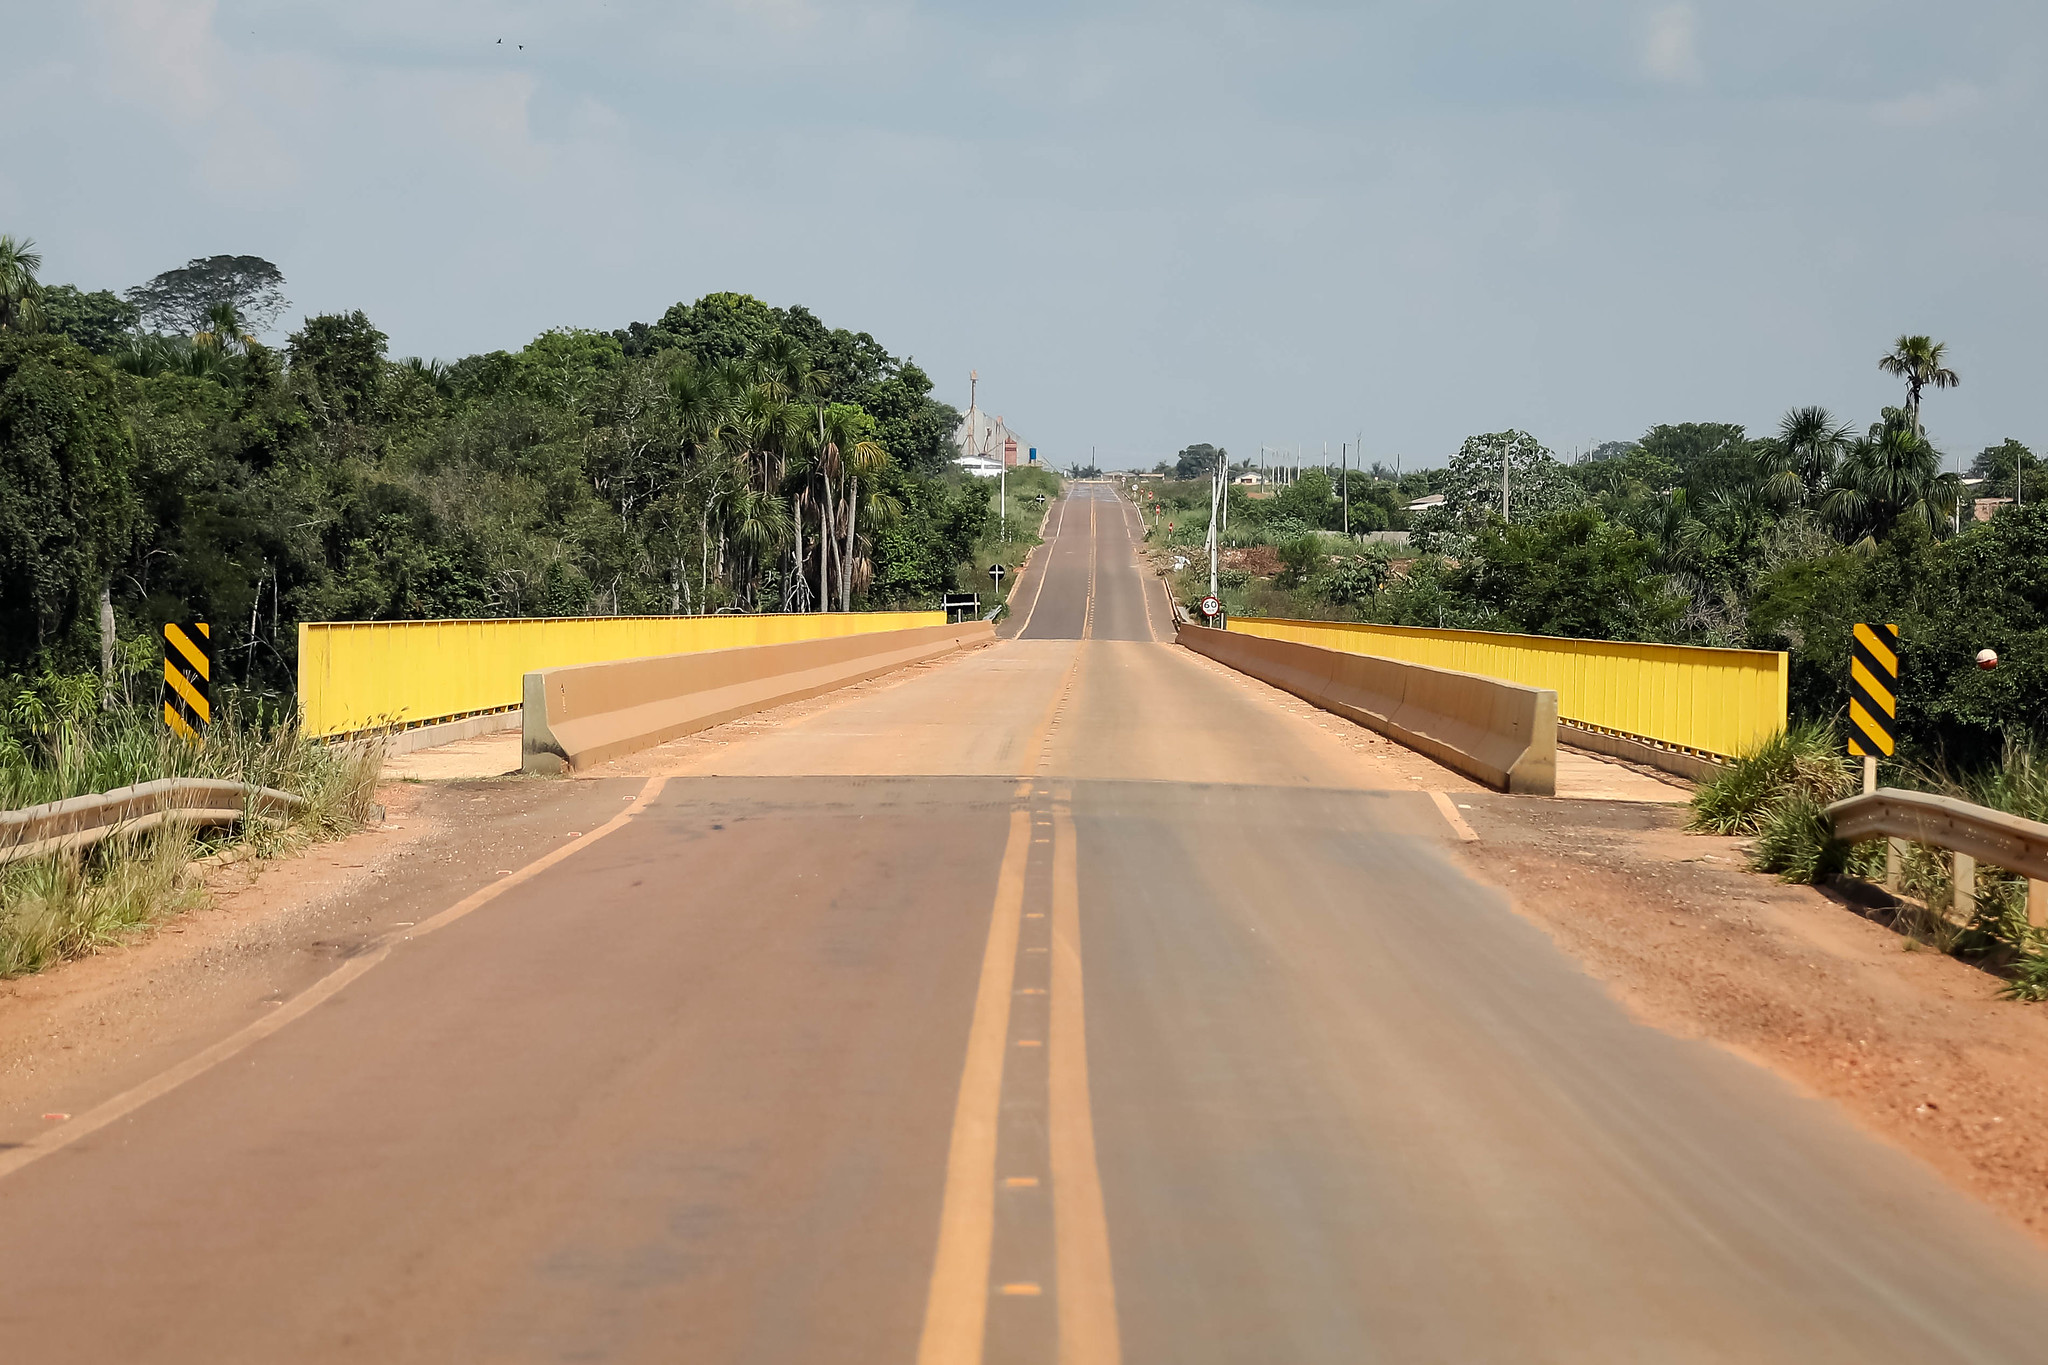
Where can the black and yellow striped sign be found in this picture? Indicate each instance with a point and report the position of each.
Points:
(1874, 690)
(188, 678)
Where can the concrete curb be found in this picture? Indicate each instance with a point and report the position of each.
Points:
(583, 715)
(1499, 733)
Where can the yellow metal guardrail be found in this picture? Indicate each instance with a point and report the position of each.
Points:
(357, 675)
(1714, 702)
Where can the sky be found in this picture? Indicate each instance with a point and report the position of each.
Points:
(1146, 225)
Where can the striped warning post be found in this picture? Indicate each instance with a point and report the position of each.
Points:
(1874, 690)
(188, 678)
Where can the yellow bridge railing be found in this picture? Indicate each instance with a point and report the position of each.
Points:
(357, 675)
(1715, 702)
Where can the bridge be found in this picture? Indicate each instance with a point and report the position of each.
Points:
(1072, 998)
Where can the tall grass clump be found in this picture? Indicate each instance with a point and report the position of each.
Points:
(59, 740)
(1803, 764)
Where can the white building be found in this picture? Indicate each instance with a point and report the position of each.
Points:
(975, 464)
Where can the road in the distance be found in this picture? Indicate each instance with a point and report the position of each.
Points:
(1068, 1001)
(1082, 584)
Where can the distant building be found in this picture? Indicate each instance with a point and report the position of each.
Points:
(975, 464)
(980, 436)
(1984, 509)
(1424, 504)
(1250, 476)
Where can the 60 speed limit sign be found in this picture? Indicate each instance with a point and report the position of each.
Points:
(1211, 607)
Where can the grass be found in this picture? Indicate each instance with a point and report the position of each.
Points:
(55, 743)
(1805, 762)
(1779, 793)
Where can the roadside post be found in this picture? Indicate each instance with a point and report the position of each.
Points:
(188, 679)
(1874, 715)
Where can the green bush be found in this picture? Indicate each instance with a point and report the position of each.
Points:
(1806, 760)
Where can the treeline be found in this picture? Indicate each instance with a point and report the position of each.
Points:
(158, 462)
(1699, 533)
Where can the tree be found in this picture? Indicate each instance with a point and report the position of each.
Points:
(1198, 461)
(2009, 469)
(179, 300)
(1537, 484)
(1707, 455)
(1891, 474)
(21, 297)
(1799, 463)
(1918, 361)
(336, 363)
(100, 321)
(67, 506)
(1570, 573)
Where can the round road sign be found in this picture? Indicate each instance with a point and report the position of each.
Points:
(1211, 607)
(996, 571)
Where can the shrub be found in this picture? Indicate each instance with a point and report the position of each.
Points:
(1806, 760)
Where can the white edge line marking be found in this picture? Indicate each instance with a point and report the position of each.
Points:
(1038, 584)
(1450, 813)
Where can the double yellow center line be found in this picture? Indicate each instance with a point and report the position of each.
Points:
(956, 1320)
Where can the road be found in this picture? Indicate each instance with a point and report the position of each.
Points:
(1069, 1001)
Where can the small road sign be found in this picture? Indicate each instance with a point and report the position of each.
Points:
(1211, 607)
(1874, 690)
(996, 571)
(188, 678)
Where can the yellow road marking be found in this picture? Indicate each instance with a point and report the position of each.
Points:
(128, 1101)
(1030, 1042)
(1087, 1298)
(1022, 1291)
(1457, 821)
(956, 1303)
(1021, 1182)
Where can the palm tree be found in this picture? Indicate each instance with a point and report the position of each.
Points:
(223, 334)
(21, 298)
(1798, 464)
(859, 458)
(1917, 360)
(1894, 474)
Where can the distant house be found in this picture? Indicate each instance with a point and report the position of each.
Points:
(1984, 509)
(980, 465)
(1424, 504)
(1250, 476)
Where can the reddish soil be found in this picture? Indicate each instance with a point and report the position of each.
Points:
(1261, 561)
(1916, 1046)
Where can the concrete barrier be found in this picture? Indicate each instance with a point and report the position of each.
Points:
(1499, 733)
(587, 713)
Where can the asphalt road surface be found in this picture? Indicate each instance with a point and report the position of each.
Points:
(1063, 1002)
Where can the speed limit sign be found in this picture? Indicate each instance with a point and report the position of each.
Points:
(1211, 607)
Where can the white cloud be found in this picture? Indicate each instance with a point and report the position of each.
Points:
(1671, 46)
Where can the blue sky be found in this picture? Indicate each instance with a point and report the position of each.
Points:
(1146, 225)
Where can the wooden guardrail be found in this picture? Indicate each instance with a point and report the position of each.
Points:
(1973, 834)
(82, 821)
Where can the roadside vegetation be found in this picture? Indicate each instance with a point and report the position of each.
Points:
(64, 735)
(160, 461)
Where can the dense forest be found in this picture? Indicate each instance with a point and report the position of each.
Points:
(1695, 533)
(157, 461)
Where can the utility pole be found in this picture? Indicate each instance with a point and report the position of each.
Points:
(1215, 489)
(1344, 459)
(1504, 482)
